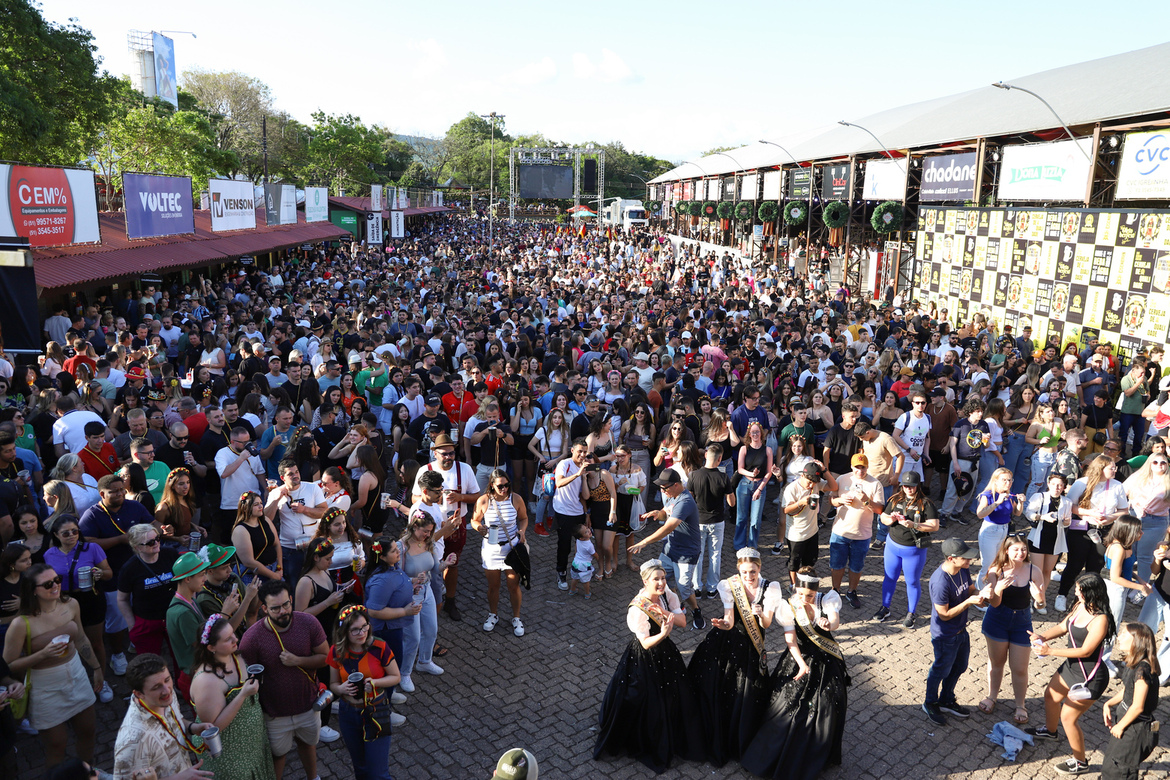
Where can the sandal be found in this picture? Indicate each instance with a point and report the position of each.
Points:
(987, 705)
(439, 650)
(1021, 716)
(608, 575)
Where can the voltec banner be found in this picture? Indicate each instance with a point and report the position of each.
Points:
(1145, 167)
(1047, 172)
(374, 228)
(376, 197)
(158, 205)
(48, 206)
(397, 224)
(835, 182)
(948, 177)
(233, 205)
(316, 204)
(884, 180)
(280, 204)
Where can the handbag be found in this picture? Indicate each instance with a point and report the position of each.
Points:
(1080, 691)
(20, 706)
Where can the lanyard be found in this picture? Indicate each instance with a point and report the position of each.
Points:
(185, 742)
(312, 679)
(113, 522)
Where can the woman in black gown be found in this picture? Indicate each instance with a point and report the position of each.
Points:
(648, 709)
(802, 731)
(729, 670)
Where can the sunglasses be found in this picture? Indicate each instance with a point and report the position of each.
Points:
(50, 584)
(500, 485)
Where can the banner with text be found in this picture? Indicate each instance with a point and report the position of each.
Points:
(884, 180)
(158, 205)
(948, 177)
(316, 204)
(48, 206)
(1054, 171)
(280, 204)
(1145, 167)
(376, 197)
(397, 224)
(233, 205)
(799, 184)
(835, 182)
(374, 228)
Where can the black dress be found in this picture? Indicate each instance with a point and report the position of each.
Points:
(805, 721)
(648, 709)
(731, 687)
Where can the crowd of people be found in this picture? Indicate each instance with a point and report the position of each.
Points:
(260, 486)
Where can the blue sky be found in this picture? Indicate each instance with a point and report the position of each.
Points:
(669, 79)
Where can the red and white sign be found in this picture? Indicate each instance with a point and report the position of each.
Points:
(48, 206)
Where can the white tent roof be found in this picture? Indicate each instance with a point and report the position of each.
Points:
(1124, 85)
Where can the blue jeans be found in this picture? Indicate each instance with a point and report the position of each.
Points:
(1155, 610)
(908, 560)
(418, 638)
(1137, 424)
(710, 554)
(851, 552)
(1016, 452)
(1042, 462)
(1153, 532)
(951, 654)
(748, 513)
(883, 530)
(987, 464)
(393, 637)
(371, 760)
(292, 560)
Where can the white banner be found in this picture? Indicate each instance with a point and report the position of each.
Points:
(376, 197)
(1145, 167)
(316, 204)
(701, 190)
(397, 225)
(884, 180)
(773, 180)
(374, 228)
(440, 198)
(714, 190)
(749, 186)
(403, 202)
(1047, 172)
(233, 205)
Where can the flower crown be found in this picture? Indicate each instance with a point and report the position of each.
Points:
(179, 472)
(350, 610)
(205, 635)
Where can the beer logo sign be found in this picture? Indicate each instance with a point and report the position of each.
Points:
(1013, 294)
(1135, 312)
(1071, 225)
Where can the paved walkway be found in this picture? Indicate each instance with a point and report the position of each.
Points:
(543, 691)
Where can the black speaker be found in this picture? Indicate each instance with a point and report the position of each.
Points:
(589, 171)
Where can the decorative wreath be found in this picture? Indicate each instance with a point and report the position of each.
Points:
(681, 206)
(654, 205)
(709, 209)
(696, 208)
(768, 211)
(744, 210)
(888, 217)
(795, 212)
(726, 208)
(836, 214)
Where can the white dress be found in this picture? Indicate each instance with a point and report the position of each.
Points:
(501, 515)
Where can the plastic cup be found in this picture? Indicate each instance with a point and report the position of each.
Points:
(24, 474)
(385, 501)
(213, 741)
(256, 671)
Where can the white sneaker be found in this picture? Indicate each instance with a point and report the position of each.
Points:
(429, 668)
(1041, 610)
(398, 698)
(1055, 577)
(26, 728)
(491, 621)
(406, 684)
(396, 719)
(517, 627)
(118, 664)
(1061, 604)
(107, 693)
(329, 735)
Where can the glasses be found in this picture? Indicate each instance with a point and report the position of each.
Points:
(50, 584)
(180, 438)
(919, 403)
(150, 543)
(68, 532)
(358, 630)
(1159, 462)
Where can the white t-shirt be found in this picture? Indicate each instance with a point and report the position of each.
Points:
(550, 447)
(853, 523)
(246, 477)
(70, 429)
(291, 525)
(803, 524)
(915, 431)
(583, 557)
(567, 499)
(461, 478)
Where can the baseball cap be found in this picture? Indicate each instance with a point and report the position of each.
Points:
(859, 460)
(957, 548)
(516, 764)
(812, 470)
(433, 400)
(667, 478)
(938, 392)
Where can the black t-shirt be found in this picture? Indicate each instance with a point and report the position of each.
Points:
(424, 429)
(579, 428)
(209, 445)
(150, 585)
(900, 533)
(842, 445)
(488, 453)
(1131, 674)
(710, 487)
(328, 437)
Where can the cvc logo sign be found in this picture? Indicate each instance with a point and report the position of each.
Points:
(1150, 156)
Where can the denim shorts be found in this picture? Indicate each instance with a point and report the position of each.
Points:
(852, 551)
(1008, 625)
(684, 573)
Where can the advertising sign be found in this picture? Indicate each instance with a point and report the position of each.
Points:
(799, 184)
(376, 197)
(233, 205)
(165, 81)
(374, 228)
(1047, 172)
(835, 182)
(158, 205)
(1145, 167)
(749, 186)
(884, 180)
(948, 177)
(772, 182)
(316, 204)
(701, 189)
(346, 220)
(48, 206)
(397, 224)
(280, 204)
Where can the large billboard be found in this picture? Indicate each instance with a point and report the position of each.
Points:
(1045, 172)
(48, 206)
(316, 204)
(233, 205)
(546, 181)
(1145, 167)
(1072, 273)
(157, 205)
(165, 82)
(799, 183)
(835, 182)
(280, 204)
(948, 177)
(884, 180)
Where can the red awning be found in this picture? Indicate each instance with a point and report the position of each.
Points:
(362, 206)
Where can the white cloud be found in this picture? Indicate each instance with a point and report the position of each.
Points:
(425, 56)
(610, 69)
(533, 73)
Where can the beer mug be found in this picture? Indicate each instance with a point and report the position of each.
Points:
(85, 577)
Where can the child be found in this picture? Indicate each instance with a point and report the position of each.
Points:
(1134, 737)
(582, 566)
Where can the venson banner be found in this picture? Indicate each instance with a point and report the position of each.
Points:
(158, 205)
(233, 205)
(48, 206)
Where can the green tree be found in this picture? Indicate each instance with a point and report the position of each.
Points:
(470, 145)
(343, 153)
(237, 105)
(53, 100)
(717, 150)
(415, 176)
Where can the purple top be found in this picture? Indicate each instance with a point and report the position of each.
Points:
(90, 555)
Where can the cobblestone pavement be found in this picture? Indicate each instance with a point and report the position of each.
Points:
(542, 691)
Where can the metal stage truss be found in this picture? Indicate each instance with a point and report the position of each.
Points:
(557, 155)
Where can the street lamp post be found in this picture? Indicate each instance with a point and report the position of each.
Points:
(894, 266)
(812, 194)
(740, 168)
(493, 116)
(1005, 86)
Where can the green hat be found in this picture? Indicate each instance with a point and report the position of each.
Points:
(188, 564)
(516, 764)
(218, 556)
